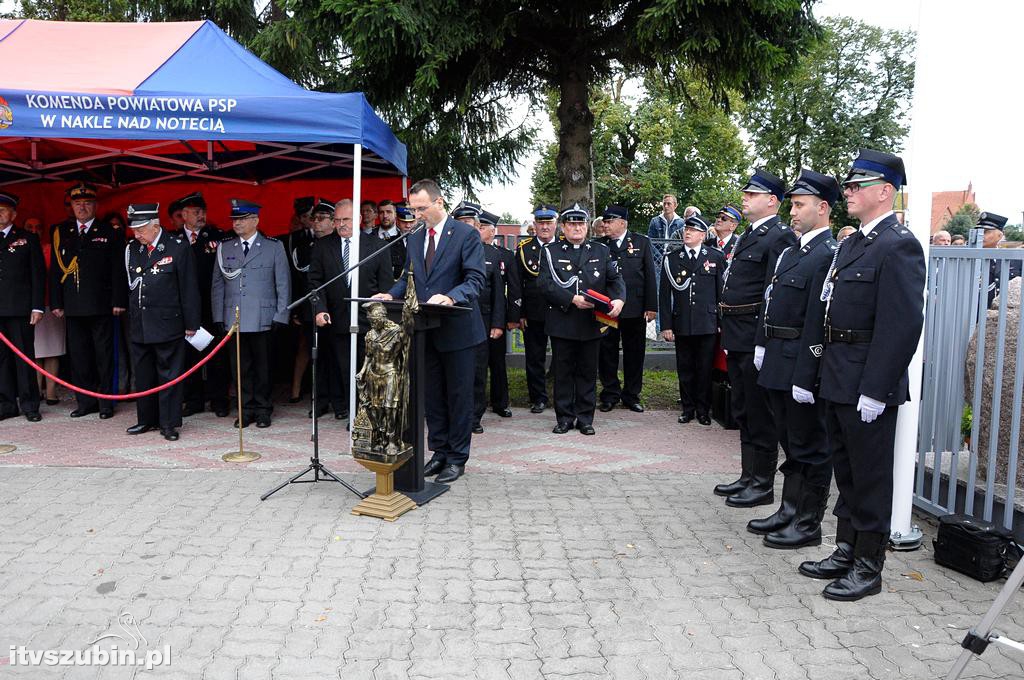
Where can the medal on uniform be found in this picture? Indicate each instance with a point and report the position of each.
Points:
(683, 273)
(138, 270)
(568, 267)
(679, 279)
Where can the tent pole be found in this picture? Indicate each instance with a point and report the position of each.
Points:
(405, 187)
(357, 232)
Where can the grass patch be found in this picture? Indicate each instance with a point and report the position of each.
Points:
(661, 389)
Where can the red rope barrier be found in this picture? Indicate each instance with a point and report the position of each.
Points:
(118, 397)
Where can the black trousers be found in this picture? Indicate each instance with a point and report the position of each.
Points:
(750, 407)
(496, 358)
(256, 380)
(210, 383)
(575, 364)
(481, 358)
(332, 369)
(18, 379)
(801, 431)
(91, 352)
(449, 407)
(535, 338)
(695, 357)
(633, 335)
(862, 457)
(155, 364)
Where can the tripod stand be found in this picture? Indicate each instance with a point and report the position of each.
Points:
(978, 639)
(320, 473)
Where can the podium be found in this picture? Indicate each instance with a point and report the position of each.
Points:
(409, 478)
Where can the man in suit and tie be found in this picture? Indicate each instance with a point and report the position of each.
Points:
(22, 297)
(874, 296)
(164, 309)
(723, 232)
(691, 285)
(252, 274)
(448, 265)
(788, 353)
(753, 261)
(332, 255)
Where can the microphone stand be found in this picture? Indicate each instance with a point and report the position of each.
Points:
(315, 466)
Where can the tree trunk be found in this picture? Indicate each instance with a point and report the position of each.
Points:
(575, 135)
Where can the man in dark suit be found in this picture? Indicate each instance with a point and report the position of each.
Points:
(993, 226)
(298, 246)
(635, 259)
(752, 263)
(874, 294)
(448, 265)
(164, 309)
(210, 383)
(534, 309)
(570, 269)
(22, 297)
(332, 255)
(87, 285)
(788, 352)
(497, 352)
(723, 237)
(691, 286)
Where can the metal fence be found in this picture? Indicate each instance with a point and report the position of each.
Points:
(969, 434)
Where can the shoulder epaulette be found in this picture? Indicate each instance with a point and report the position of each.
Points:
(528, 239)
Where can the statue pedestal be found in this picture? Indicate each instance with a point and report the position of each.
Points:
(385, 502)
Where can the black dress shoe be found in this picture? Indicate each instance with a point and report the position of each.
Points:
(79, 412)
(586, 429)
(139, 428)
(245, 422)
(685, 418)
(33, 417)
(538, 407)
(191, 410)
(52, 402)
(504, 412)
(341, 415)
(263, 421)
(221, 412)
(295, 400)
(105, 414)
(450, 473)
(170, 434)
(605, 406)
(478, 428)
(704, 419)
(562, 428)
(635, 408)
(433, 466)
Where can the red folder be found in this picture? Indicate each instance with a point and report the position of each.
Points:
(602, 305)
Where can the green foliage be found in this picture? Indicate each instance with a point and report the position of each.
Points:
(966, 422)
(965, 219)
(1014, 233)
(852, 90)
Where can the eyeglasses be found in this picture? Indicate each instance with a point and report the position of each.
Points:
(855, 187)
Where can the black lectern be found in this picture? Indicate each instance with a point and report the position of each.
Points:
(409, 478)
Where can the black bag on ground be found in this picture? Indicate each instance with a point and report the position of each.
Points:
(974, 547)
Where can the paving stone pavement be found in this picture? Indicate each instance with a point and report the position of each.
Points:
(601, 557)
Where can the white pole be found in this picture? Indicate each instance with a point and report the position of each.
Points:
(904, 534)
(353, 318)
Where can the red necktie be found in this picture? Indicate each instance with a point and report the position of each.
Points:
(429, 259)
(82, 228)
(192, 237)
(149, 249)
(721, 243)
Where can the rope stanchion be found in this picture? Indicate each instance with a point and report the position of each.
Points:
(241, 455)
(120, 397)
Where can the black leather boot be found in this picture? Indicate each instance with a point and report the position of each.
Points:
(805, 527)
(841, 559)
(761, 490)
(784, 515)
(746, 473)
(865, 577)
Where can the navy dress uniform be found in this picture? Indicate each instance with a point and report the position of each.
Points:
(163, 303)
(874, 292)
(635, 257)
(568, 270)
(690, 290)
(22, 299)
(497, 361)
(792, 335)
(752, 263)
(211, 382)
(87, 284)
(726, 245)
(492, 315)
(991, 221)
(534, 309)
(253, 275)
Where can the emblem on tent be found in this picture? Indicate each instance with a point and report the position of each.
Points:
(6, 114)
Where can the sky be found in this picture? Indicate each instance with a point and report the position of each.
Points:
(966, 123)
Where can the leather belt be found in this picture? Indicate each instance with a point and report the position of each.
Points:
(737, 310)
(841, 335)
(781, 332)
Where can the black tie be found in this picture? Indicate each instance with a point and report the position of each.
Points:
(429, 258)
(245, 249)
(693, 258)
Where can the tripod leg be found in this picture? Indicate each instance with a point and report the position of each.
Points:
(285, 483)
(327, 473)
(977, 638)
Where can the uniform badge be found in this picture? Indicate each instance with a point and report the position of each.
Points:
(817, 350)
(138, 270)
(568, 267)
(679, 279)
(683, 273)
(166, 260)
(708, 264)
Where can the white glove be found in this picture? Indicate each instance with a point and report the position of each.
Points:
(758, 357)
(802, 396)
(869, 408)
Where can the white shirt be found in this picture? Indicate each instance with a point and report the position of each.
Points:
(157, 239)
(809, 236)
(691, 252)
(725, 241)
(438, 230)
(189, 233)
(389, 233)
(250, 240)
(7, 230)
(619, 240)
(761, 221)
(88, 225)
(866, 228)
